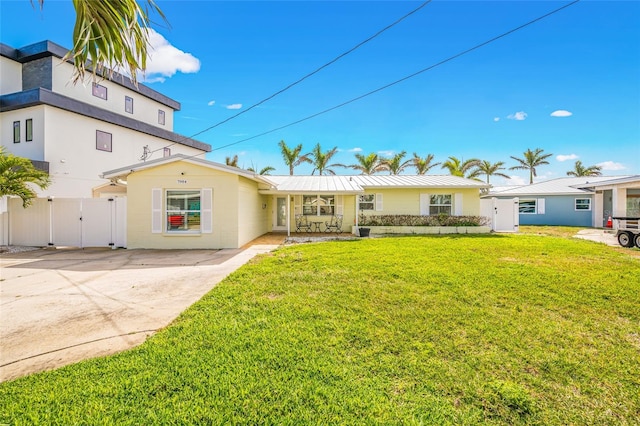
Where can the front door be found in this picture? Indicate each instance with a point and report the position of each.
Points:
(280, 214)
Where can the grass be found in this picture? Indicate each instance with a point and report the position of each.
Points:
(517, 329)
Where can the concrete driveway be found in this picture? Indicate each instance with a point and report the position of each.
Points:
(61, 306)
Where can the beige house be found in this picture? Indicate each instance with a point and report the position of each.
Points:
(188, 202)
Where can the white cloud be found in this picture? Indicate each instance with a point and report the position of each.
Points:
(356, 149)
(496, 119)
(519, 116)
(611, 165)
(164, 60)
(211, 103)
(234, 106)
(561, 157)
(561, 113)
(387, 153)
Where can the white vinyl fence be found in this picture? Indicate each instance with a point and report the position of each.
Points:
(503, 213)
(74, 222)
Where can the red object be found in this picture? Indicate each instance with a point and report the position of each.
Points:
(609, 223)
(175, 221)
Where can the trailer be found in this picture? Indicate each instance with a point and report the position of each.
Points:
(628, 231)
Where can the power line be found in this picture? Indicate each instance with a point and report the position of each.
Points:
(300, 80)
(444, 61)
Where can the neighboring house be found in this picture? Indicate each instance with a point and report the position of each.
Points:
(76, 131)
(574, 201)
(181, 202)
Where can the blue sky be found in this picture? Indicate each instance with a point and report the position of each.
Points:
(222, 57)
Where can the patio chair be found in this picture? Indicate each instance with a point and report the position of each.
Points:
(334, 225)
(302, 224)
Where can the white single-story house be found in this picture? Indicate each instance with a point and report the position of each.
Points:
(188, 202)
(575, 201)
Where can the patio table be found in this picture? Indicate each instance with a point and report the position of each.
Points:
(316, 224)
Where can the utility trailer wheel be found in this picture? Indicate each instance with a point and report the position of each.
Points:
(637, 240)
(625, 239)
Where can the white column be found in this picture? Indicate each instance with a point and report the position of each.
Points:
(288, 215)
(619, 201)
(598, 209)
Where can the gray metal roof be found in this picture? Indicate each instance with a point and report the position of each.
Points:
(122, 172)
(315, 184)
(417, 181)
(560, 186)
(358, 184)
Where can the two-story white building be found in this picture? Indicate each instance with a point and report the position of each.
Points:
(75, 132)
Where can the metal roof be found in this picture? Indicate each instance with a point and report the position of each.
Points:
(358, 184)
(315, 184)
(560, 186)
(417, 181)
(122, 172)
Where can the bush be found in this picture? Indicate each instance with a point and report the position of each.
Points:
(416, 220)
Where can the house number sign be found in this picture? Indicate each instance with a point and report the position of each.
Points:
(182, 181)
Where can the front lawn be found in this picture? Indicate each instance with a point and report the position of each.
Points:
(515, 329)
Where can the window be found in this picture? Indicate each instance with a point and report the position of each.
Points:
(440, 203)
(527, 207)
(583, 204)
(166, 152)
(99, 91)
(183, 211)
(29, 129)
(128, 104)
(16, 132)
(318, 205)
(161, 117)
(367, 202)
(103, 141)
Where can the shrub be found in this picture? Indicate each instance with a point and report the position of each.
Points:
(417, 220)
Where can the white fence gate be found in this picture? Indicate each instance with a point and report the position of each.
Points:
(74, 222)
(503, 213)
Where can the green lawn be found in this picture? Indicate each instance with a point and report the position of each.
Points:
(508, 329)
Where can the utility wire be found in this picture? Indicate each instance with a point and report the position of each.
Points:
(444, 61)
(300, 80)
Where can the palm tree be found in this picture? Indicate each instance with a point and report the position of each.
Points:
(462, 168)
(531, 160)
(487, 168)
(110, 35)
(292, 157)
(231, 161)
(265, 171)
(16, 173)
(395, 165)
(369, 164)
(320, 160)
(423, 165)
(579, 170)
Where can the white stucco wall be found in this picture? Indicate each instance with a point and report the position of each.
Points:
(68, 142)
(10, 76)
(29, 149)
(144, 109)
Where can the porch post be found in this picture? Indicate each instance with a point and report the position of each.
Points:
(356, 208)
(288, 215)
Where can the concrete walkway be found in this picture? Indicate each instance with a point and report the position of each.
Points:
(603, 236)
(58, 307)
